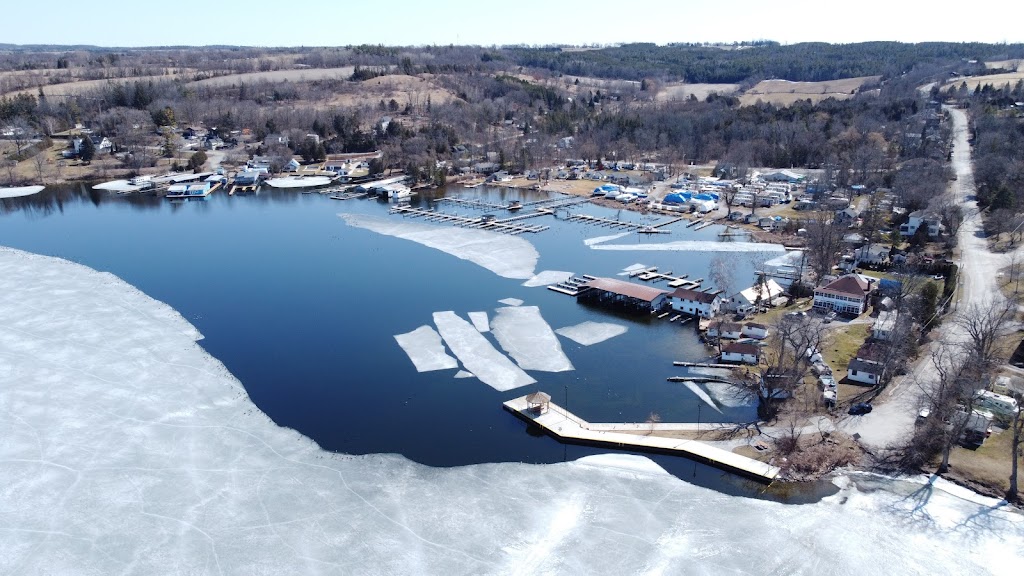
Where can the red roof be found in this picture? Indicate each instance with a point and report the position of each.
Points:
(638, 291)
(849, 285)
(694, 295)
(741, 348)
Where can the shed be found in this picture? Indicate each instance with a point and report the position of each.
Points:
(864, 371)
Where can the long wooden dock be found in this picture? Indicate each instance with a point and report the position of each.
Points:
(568, 427)
(507, 225)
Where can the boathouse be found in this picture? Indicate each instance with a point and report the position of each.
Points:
(612, 293)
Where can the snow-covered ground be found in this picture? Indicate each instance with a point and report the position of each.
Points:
(126, 449)
(505, 255)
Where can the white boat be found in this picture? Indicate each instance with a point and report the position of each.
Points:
(299, 181)
(20, 191)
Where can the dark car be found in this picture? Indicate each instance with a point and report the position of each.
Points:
(860, 408)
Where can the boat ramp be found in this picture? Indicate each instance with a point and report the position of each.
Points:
(538, 409)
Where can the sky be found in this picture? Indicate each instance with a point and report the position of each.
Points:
(535, 22)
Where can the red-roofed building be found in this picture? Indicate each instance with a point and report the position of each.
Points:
(702, 304)
(625, 295)
(845, 295)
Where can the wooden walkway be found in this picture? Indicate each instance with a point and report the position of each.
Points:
(566, 426)
(507, 225)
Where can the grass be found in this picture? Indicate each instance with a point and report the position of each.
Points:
(842, 344)
(989, 465)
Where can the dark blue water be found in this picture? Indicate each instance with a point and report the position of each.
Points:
(303, 309)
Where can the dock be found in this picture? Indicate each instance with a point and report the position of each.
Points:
(507, 225)
(624, 224)
(567, 427)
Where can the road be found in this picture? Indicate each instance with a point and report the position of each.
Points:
(892, 420)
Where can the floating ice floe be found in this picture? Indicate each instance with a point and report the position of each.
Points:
(511, 301)
(524, 334)
(117, 186)
(729, 395)
(155, 461)
(464, 374)
(20, 191)
(478, 355)
(602, 239)
(587, 333)
(505, 255)
(547, 278)
(634, 267)
(695, 246)
(425, 349)
(479, 320)
(702, 395)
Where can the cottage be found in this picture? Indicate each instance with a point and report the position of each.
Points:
(726, 330)
(755, 330)
(874, 254)
(884, 325)
(845, 295)
(761, 294)
(921, 218)
(864, 371)
(702, 304)
(741, 352)
(778, 384)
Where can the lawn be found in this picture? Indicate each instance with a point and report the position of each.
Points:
(989, 464)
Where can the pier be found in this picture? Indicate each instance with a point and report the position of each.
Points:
(567, 427)
(507, 225)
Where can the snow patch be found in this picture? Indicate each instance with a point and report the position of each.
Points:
(548, 277)
(588, 333)
(507, 256)
(478, 355)
(524, 334)
(425, 349)
(627, 462)
(479, 320)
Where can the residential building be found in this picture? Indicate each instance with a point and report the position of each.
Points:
(755, 330)
(864, 371)
(921, 218)
(845, 295)
(741, 352)
(702, 304)
(884, 325)
(874, 254)
(760, 294)
(726, 330)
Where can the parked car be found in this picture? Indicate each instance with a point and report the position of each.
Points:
(860, 408)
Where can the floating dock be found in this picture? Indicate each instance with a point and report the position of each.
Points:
(568, 427)
(507, 225)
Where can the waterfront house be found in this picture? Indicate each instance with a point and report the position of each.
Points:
(864, 371)
(741, 352)
(755, 330)
(759, 295)
(845, 295)
(726, 330)
(702, 304)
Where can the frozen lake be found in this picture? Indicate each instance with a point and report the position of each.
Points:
(304, 307)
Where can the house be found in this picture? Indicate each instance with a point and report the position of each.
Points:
(292, 166)
(782, 176)
(921, 218)
(884, 325)
(761, 294)
(874, 254)
(702, 304)
(741, 352)
(845, 295)
(726, 330)
(778, 384)
(755, 330)
(864, 371)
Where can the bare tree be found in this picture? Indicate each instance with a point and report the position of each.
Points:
(783, 360)
(40, 162)
(950, 399)
(721, 272)
(10, 164)
(824, 243)
(983, 325)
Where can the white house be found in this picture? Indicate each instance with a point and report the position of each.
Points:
(918, 219)
(761, 294)
(755, 330)
(845, 295)
(726, 330)
(703, 304)
(884, 325)
(872, 254)
(741, 352)
(864, 371)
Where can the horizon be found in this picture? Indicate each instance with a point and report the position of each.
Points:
(404, 23)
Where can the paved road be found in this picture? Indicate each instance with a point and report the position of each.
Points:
(896, 409)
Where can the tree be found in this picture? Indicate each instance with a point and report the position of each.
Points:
(87, 151)
(783, 366)
(40, 162)
(824, 243)
(983, 325)
(951, 399)
(10, 164)
(197, 160)
(1017, 426)
(164, 117)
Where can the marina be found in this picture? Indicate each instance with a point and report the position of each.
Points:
(537, 409)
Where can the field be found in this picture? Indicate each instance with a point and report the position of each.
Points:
(682, 91)
(784, 92)
(307, 74)
(1016, 64)
(996, 80)
(400, 88)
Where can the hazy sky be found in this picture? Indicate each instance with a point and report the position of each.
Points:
(418, 22)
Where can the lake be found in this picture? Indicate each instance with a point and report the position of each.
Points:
(303, 309)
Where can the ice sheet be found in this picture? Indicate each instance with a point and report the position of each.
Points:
(702, 395)
(602, 239)
(505, 255)
(730, 396)
(464, 374)
(478, 355)
(511, 301)
(126, 449)
(425, 349)
(548, 277)
(695, 246)
(634, 267)
(479, 320)
(587, 333)
(19, 191)
(524, 334)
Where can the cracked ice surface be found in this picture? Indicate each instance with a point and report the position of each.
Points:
(587, 333)
(478, 355)
(524, 334)
(695, 246)
(602, 239)
(510, 301)
(547, 278)
(464, 374)
(425, 349)
(479, 320)
(126, 449)
(702, 395)
(507, 256)
(730, 396)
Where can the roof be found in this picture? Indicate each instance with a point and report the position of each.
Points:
(865, 366)
(850, 285)
(629, 289)
(772, 289)
(694, 295)
(730, 327)
(741, 348)
(538, 398)
(756, 326)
